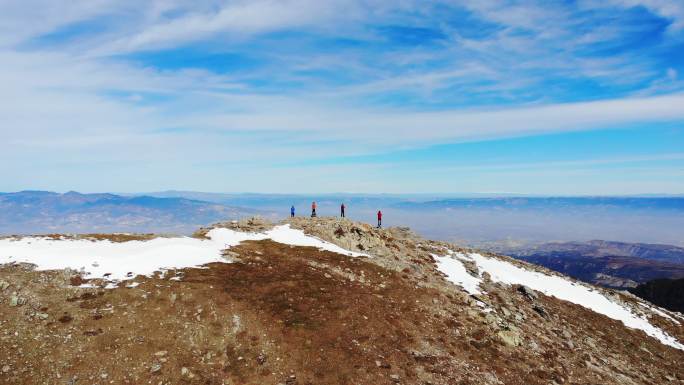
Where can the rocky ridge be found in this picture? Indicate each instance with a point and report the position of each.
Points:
(284, 314)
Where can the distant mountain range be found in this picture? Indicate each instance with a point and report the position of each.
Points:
(611, 264)
(34, 212)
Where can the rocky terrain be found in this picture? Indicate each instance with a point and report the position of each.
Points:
(280, 313)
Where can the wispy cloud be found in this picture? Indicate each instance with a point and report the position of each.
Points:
(112, 81)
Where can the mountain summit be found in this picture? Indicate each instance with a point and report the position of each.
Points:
(314, 301)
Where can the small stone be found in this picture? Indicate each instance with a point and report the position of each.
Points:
(161, 353)
(5, 369)
(261, 359)
(527, 292)
(155, 368)
(3, 285)
(394, 377)
(541, 311)
(509, 337)
(42, 316)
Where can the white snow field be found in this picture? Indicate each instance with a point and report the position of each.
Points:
(117, 259)
(457, 274)
(552, 285)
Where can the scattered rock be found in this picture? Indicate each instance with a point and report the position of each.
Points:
(155, 368)
(186, 372)
(395, 377)
(5, 368)
(527, 292)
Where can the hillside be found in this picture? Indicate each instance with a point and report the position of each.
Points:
(667, 293)
(322, 301)
(611, 264)
(29, 212)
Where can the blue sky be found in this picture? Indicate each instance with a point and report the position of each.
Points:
(536, 97)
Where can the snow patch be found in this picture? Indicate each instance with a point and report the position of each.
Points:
(660, 312)
(114, 260)
(457, 273)
(565, 289)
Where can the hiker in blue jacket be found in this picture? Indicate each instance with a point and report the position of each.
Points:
(292, 211)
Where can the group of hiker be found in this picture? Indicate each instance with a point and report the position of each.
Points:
(342, 208)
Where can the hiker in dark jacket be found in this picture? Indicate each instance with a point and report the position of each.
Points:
(342, 210)
(379, 219)
(292, 211)
(313, 209)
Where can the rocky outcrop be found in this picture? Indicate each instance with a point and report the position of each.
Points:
(284, 314)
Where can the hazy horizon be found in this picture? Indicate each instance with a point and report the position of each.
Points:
(474, 220)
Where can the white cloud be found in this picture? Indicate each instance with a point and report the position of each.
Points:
(672, 10)
(75, 104)
(234, 20)
(671, 74)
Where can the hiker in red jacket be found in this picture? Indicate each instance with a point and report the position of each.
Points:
(313, 209)
(342, 210)
(379, 219)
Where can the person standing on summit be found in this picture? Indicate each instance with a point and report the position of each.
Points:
(342, 207)
(379, 219)
(292, 211)
(313, 209)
